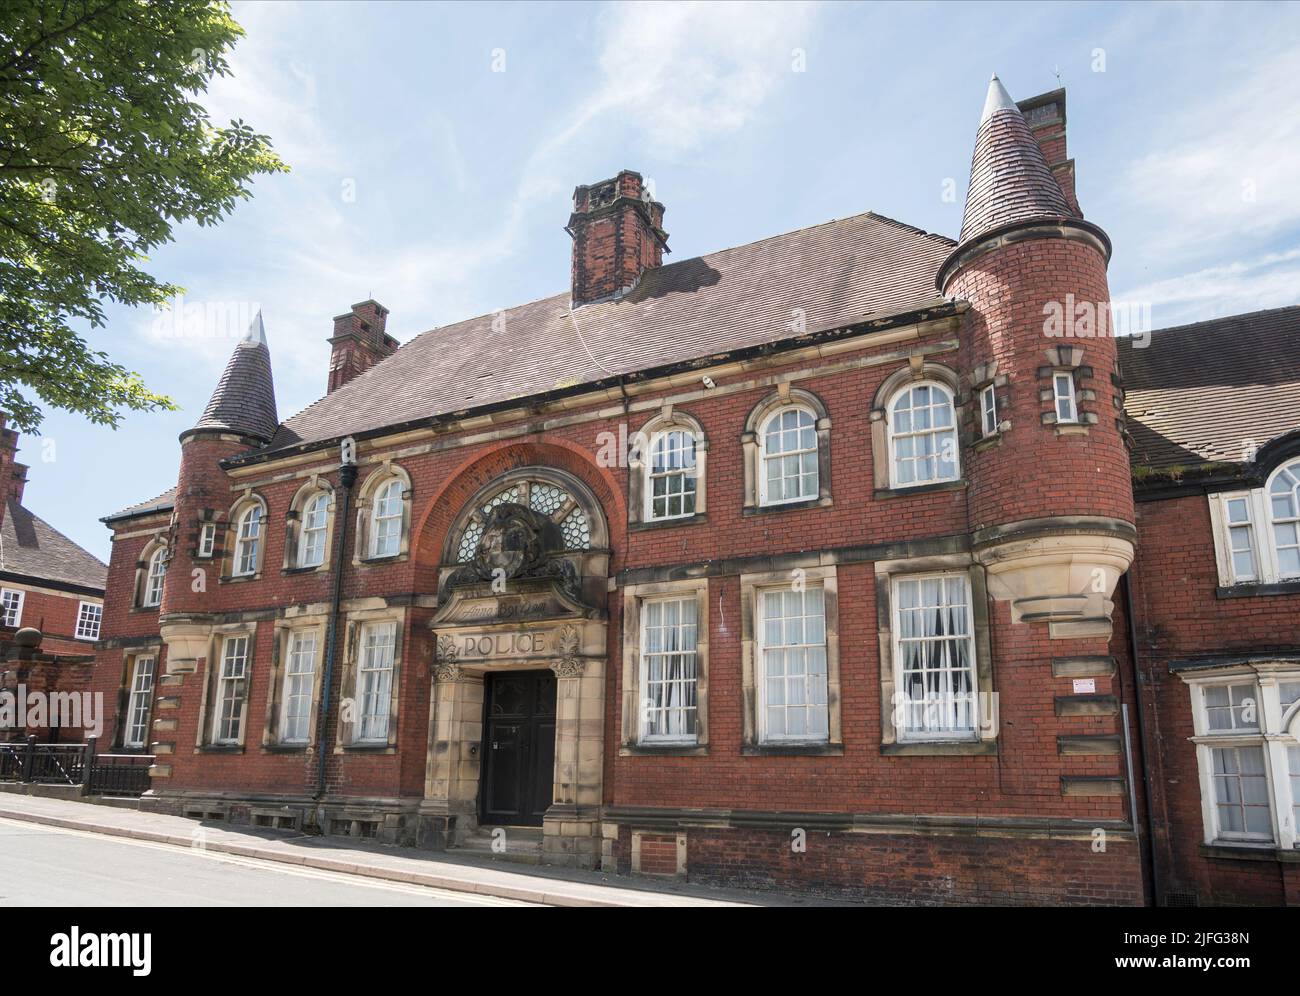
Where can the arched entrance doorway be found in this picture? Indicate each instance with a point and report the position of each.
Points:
(517, 715)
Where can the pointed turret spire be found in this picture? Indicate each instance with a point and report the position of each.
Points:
(244, 400)
(1009, 178)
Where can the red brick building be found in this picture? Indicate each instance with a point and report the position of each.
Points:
(794, 565)
(47, 583)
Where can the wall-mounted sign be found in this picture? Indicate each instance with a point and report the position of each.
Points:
(1085, 686)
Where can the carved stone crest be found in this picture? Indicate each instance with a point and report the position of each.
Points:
(445, 666)
(569, 665)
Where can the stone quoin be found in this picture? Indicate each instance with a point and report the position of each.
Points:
(868, 610)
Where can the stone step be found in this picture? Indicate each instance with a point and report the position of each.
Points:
(522, 845)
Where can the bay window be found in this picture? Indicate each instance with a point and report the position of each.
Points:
(1245, 719)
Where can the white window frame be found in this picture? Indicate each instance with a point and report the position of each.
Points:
(1070, 397)
(83, 631)
(764, 499)
(367, 672)
(903, 733)
(295, 676)
(765, 736)
(233, 674)
(248, 542)
(988, 411)
(1262, 532)
(11, 606)
(1276, 734)
(154, 575)
(207, 539)
(893, 436)
(140, 701)
(378, 518)
(646, 706)
(689, 475)
(306, 530)
(1292, 469)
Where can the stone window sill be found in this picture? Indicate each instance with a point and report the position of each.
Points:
(286, 748)
(1252, 589)
(664, 750)
(396, 558)
(685, 520)
(369, 749)
(921, 489)
(319, 569)
(941, 748)
(789, 506)
(1240, 850)
(220, 749)
(792, 750)
(239, 578)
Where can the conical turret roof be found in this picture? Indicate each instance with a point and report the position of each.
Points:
(244, 400)
(1009, 178)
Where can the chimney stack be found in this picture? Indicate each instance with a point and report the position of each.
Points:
(617, 231)
(13, 475)
(1045, 115)
(359, 342)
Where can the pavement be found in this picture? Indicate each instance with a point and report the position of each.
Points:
(465, 875)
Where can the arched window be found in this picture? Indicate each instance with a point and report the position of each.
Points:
(922, 426)
(1284, 513)
(384, 515)
(153, 578)
(788, 456)
(311, 539)
(248, 541)
(670, 475)
(386, 521)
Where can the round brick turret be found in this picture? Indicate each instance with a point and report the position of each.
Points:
(1050, 492)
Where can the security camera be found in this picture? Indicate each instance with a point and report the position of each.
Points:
(709, 382)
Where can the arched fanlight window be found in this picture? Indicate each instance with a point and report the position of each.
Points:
(541, 495)
(1284, 515)
(922, 426)
(311, 541)
(154, 576)
(248, 541)
(788, 456)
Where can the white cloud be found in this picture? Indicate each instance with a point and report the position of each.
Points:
(1267, 281)
(1227, 169)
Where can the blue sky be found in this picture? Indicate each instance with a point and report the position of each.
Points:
(440, 187)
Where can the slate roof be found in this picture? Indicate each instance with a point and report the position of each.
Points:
(244, 400)
(1203, 393)
(1009, 178)
(31, 546)
(844, 271)
(163, 503)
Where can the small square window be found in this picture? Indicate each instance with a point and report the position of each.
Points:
(1232, 707)
(89, 617)
(11, 607)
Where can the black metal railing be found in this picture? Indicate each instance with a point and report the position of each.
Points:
(75, 764)
(119, 774)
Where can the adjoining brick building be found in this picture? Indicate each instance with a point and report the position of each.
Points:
(791, 565)
(47, 583)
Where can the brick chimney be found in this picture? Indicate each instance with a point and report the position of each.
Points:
(359, 342)
(618, 234)
(1045, 115)
(13, 475)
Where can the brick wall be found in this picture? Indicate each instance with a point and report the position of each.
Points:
(1180, 616)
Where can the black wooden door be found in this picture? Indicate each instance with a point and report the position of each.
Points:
(518, 748)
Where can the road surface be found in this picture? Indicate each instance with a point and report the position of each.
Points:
(46, 866)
